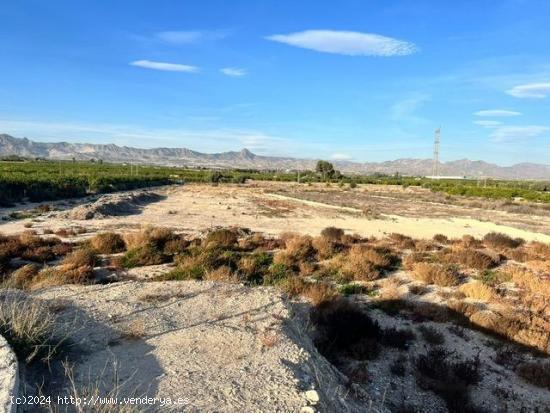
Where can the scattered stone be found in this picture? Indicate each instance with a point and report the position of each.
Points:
(312, 396)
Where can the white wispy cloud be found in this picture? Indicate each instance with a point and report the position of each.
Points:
(530, 90)
(346, 43)
(233, 71)
(190, 36)
(488, 123)
(518, 133)
(166, 67)
(341, 156)
(405, 110)
(497, 113)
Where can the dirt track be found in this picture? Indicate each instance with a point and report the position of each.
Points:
(277, 207)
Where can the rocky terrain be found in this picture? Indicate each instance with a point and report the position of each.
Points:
(246, 159)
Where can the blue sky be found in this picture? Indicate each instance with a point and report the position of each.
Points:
(366, 80)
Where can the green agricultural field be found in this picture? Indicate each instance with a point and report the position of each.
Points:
(39, 181)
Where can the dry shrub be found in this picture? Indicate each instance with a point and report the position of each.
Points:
(80, 258)
(366, 263)
(31, 247)
(542, 266)
(402, 241)
(425, 245)
(29, 239)
(107, 243)
(477, 291)
(76, 268)
(176, 245)
(530, 281)
(413, 258)
(468, 241)
(23, 277)
(470, 258)
(258, 241)
(537, 373)
(540, 249)
(316, 292)
(221, 238)
(354, 266)
(136, 239)
(333, 234)
(319, 293)
(307, 268)
(325, 247)
(517, 254)
(498, 240)
(300, 248)
(443, 275)
(285, 237)
(350, 239)
(440, 238)
(223, 274)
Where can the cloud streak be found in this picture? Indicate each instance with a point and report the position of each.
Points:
(233, 71)
(518, 133)
(190, 36)
(165, 67)
(488, 123)
(530, 90)
(497, 113)
(346, 43)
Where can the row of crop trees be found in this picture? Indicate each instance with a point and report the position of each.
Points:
(48, 180)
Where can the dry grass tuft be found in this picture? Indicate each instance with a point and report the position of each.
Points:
(477, 291)
(223, 274)
(528, 280)
(107, 243)
(135, 330)
(443, 275)
(402, 241)
(325, 247)
(221, 238)
(23, 277)
(366, 263)
(30, 328)
(316, 292)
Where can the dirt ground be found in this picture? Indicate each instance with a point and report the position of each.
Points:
(214, 347)
(227, 347)
(273, 208)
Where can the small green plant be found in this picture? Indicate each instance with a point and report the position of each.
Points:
(351, 289)
(276, 274)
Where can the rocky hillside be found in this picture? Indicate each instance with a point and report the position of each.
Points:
(246, 159)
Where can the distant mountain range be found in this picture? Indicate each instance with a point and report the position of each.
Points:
(246, 159)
